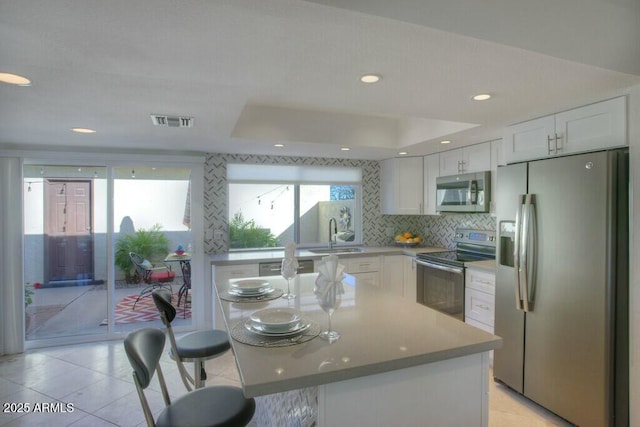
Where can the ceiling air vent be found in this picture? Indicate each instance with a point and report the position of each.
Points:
(172, 121)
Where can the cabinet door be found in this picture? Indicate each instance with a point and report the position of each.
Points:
(222, 274)
(450, 162)
(393, 274)
(476, 158)
(410, 276)
(431, 169)
(401, 186)
(529, 140)
(596, 126)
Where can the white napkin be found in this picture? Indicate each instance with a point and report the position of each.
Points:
(330, 275)
(290, 262)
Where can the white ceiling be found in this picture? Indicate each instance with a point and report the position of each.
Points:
(256, 72)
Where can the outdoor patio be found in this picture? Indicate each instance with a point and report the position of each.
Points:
(82, 310)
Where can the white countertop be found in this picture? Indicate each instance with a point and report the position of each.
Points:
(243, 257)
(380, 332)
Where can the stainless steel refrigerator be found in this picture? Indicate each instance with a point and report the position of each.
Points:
(562, 285)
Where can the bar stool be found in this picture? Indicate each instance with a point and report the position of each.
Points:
(194, 347)
(208, 406)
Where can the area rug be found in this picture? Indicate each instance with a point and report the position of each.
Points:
(146, 310)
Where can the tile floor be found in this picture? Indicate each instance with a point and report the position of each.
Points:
(96, 380)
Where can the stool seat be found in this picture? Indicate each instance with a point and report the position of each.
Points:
(216, 406)
(202, 344)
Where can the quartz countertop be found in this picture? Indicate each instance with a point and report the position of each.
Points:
(243, 257)
(380, 332)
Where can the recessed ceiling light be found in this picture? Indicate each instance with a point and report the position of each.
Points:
(345, 149)
(482, 97)
(370, 78)
(278, 145)
(14, 79)
(83, 130)
(446, 141)
(403, 153)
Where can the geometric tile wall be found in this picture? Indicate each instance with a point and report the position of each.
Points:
(378, 229)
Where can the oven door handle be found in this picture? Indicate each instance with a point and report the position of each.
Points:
(455, 270)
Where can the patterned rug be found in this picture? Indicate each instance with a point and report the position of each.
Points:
(146, 310)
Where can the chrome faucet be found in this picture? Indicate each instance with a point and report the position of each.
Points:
(335, 231)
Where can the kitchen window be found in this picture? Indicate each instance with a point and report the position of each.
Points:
(271, 205)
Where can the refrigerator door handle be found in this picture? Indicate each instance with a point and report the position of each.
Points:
(516, 251)
(528, 243)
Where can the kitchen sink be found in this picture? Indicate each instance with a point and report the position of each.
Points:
(336, 250)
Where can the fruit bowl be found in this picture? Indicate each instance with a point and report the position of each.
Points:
(408, 239)
(407, 244)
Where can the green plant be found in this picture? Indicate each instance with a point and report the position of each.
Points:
(151, 244)
(28, 294)
(245, 234)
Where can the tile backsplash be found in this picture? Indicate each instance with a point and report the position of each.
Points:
(437, 230)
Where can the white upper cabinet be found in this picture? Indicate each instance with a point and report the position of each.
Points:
(474, 158)
(592, 127)
(401, 186)
(431, 168)
(497, 159)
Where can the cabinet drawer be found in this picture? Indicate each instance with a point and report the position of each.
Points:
(479, 306)
(479, 325)
(368, 279)
(363, 264)
(480, 280)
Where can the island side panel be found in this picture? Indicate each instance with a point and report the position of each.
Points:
(452, 392)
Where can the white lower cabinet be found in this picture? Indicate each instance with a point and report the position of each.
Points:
(365, 269)
(479, 299)
(227, 272)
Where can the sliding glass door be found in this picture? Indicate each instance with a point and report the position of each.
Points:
(83, 228)
(65, 268)
(151, 223)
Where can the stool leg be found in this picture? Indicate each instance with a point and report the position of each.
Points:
(199, 374)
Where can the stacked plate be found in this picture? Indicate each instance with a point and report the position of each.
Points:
(277, 322)
(250, 288)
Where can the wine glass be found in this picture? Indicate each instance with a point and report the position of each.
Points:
(288, 270)
(329, 299)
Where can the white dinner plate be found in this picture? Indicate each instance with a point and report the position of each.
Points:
(298, 328)
(264, 291)
(276, 319)
(249, 285)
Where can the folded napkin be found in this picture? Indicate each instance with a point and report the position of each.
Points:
(290, 262)
(330, 275)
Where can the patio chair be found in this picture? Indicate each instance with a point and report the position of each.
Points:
(193, 347)
(185, 289)
(209, 406)
(154, 276)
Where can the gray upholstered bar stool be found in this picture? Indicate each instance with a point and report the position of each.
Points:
(208, 406)
(194, 347)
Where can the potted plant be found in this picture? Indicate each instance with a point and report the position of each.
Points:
(151, 244)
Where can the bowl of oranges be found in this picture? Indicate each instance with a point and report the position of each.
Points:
(408, 239)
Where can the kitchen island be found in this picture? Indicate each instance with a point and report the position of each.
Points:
(397, 363)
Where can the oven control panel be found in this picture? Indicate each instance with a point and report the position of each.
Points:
(481, 237)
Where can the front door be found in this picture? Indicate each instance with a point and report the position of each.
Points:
(68, 231)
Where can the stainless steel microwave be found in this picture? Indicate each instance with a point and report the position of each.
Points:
(470, 192)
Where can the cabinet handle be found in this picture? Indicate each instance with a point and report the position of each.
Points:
(558, 136)
(482, 306)
(549, 139)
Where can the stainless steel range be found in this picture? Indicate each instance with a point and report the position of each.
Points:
(441, 274)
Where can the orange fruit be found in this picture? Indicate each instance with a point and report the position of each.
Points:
(407, 235)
